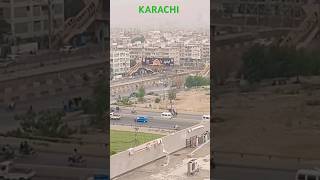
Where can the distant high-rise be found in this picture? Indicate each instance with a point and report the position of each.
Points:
(29, 20)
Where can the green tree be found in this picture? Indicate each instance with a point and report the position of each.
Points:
(141, 93)
(252, 68)
(157, 100)
(195, 81)
(100, 96)
(172, 96)
(44, 123)
(4, 28)
(132, 63)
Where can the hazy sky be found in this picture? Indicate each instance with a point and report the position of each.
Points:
(192, 13)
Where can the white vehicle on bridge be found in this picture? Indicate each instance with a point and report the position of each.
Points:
(114, 116)
(166, 115)
(9, 172)
(308, 174)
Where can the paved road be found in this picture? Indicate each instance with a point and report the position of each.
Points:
(60, 159)
(251, 173)
(183, 120)
(50, 166)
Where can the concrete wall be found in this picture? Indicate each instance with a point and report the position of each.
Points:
(123, 162)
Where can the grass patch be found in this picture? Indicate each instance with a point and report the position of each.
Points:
(123, 140)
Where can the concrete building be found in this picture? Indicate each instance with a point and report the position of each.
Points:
(29, 19)
(119, 61)
(205, 52)
(191, 55)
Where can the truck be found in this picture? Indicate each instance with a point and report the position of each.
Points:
(9, 172)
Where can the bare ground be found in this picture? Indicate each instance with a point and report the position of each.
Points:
(191, 101)
(282, 120)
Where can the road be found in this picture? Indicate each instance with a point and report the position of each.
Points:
(52, 165)
(251, 173)
(183, 120)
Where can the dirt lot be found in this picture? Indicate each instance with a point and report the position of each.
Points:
(196, 101)
(283, 119)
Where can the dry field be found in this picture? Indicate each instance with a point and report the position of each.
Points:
(192, 101)
(283, 119)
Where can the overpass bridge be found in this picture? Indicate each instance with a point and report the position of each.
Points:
(150, 81)
(300, 18)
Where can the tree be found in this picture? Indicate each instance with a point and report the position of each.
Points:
(44, 123)
(264, 63)
(141, 92)
(194, 81)
(132, 63)
(157, 100)
(252, 64)
(100, 96)
(172, 96)
(4, 29)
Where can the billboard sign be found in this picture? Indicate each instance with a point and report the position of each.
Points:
(158, 61)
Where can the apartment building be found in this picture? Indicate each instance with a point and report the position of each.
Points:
(119, 61)
(29, 19)
(205, 52)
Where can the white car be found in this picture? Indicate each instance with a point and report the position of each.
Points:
(166, 115)
(114, 116)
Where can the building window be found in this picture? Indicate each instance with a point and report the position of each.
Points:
(45, 25)
(58, 9)
(36, 10)
(21, 28)
(20, 12)
(57, 23)
(36, 26)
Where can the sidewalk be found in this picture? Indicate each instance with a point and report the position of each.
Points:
(158, 110)
(141, 129)
(94, 150)
(263, 162)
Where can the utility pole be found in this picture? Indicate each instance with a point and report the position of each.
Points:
(50, 24)
(136, 136)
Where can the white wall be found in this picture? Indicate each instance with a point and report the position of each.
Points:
(123, 162)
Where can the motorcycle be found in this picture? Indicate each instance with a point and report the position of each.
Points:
(133, 112)
(27, 152)
(77, 161)
(7, 152)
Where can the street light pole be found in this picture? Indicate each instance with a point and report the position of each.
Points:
(50, 24)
